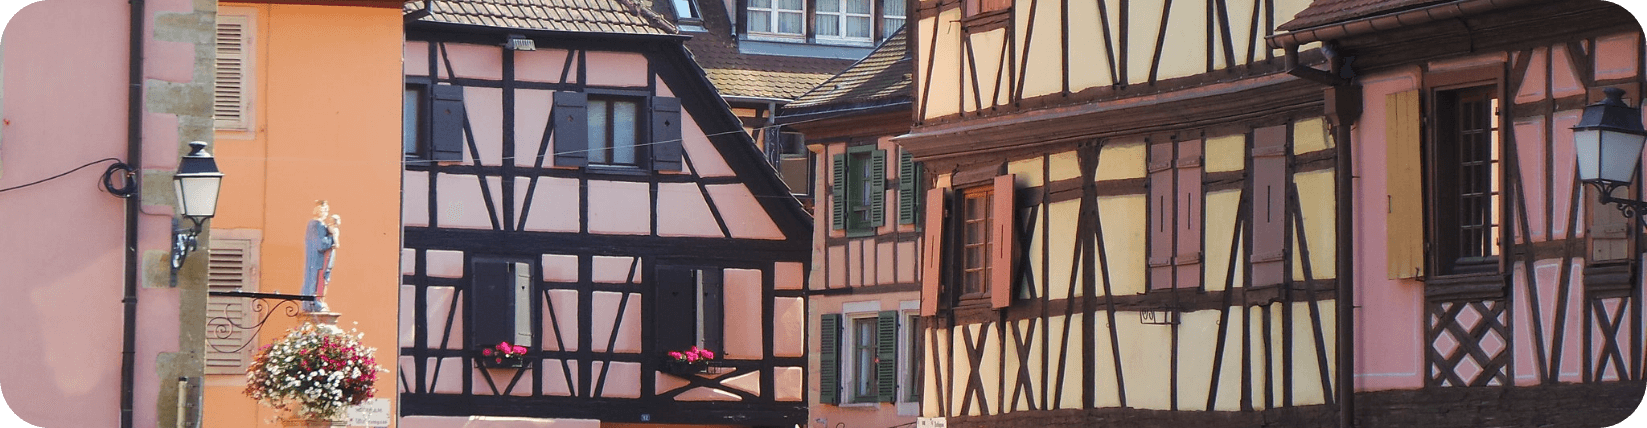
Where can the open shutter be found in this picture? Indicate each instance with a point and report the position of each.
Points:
(492, 314)
(837, 197)
(877, 188)
(1005, 243)
(229, 89)
(1269, 202)
(917, 377)
(886, 356)
(676, 309)
(229, 267)
(446, 138)
(932, 251)
(1404, 177)
(571, 128)
(711, 309)
(666, 134)
(521, 274)
(909, 188)
(829, 359)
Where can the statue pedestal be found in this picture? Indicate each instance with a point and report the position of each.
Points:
(326, 318)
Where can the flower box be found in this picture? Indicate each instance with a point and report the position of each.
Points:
(689, 362)
(503, 355)
(502, 362)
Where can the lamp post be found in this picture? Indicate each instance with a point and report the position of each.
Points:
(1608, 141)
(196, 182)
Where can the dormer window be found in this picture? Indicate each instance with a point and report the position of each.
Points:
(686, 12)
(776, 17)
(838, 22)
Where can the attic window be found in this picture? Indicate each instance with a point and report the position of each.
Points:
(687, 10)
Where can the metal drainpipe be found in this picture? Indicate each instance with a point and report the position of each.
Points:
(134, 157)
(1346, 278)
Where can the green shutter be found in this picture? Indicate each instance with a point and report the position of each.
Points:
(916, 376)
(909, 188)
(886, 356)
(829, 359)
(877, 188)
(837, 196)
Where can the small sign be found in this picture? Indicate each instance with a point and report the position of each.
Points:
(931, 423)
(372, 413)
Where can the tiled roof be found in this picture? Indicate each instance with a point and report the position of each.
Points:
(738, 74)
(586, 16)
(1322, 12)
(883, 75)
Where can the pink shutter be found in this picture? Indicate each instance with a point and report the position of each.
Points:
(1269, 202)
(1004, 243)
(1187, 258)
(1161, 213)
(932, 251)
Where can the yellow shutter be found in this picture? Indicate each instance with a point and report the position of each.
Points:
(230, 266)
(1404, 184)
(229, 99)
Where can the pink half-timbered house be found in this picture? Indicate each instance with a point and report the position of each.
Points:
(574, 186)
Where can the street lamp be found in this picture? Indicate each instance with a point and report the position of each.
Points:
(196, 182)
(1608, 141)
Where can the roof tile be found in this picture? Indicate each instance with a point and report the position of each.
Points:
(605, 16)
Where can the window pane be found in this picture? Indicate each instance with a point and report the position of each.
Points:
(857, 27)
(685, 9)
(760, 21)
(791, 5)
(763, 4)
(857, 6)
(410, 114)
(598, 142)
(890, 25)
(828, 25)
(789, 23)
(623, 131)
(829, 6)
(893, 8)
(864, 357)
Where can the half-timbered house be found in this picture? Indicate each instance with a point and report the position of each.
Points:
(1130, 217)
(1485, 274)
(574, 186)
(864, 295)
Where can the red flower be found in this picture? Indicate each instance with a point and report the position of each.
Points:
(486, 352)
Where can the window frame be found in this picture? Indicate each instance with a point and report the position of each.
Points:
(418, 140)
(861, 376)
(773, 12)
(965, 295)
(842, 14)
(879, 30)
(639, 152)
(707, 283)
(1445, 228)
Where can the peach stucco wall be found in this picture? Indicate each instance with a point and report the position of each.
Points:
(326, 104)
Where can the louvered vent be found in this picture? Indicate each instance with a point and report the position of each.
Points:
(229, 90)
(229, 268)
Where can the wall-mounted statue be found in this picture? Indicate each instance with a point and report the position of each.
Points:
(320, 242)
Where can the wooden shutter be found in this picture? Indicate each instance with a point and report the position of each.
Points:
(1404, 225)
(571, 128)
(229, 109)
(886, 356)
(1269, 202)
(877, 188)
(521, 280)
(1005, 242)
(837, 197)
(1186, 257)
(932, 251)
(676, 309)
(916, 354)
(829, 359)
(446, 112)
(1161, 212)
(492, 303)
(666, 134)
(909, 188)
(711, 308)
(230, 266)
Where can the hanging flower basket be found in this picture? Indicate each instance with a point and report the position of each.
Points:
(688, 362)
(503, 355)
(313, 373)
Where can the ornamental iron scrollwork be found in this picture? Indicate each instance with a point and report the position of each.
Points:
(223, 327)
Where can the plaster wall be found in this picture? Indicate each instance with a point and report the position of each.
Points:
(327, 126)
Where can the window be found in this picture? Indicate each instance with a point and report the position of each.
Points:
(686, 12)
(1465, 211)
(610, 129)
(793, 161)
(849, 22)
(1175, 214)
(432, 122)
(977, 271)
(230, 101)
(412, 114)
(780, 17)
(867, 351)
(231, 265)
(501, 301)
(859, 189)
(689, 309)
(910, 365)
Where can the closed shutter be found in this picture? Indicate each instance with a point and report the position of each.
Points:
(886, 356)
(838, 197)
(676, 309)
(446, 113)
(1404, 224)
(916, 355)
(230, 266)
(571, 128)
(909, 188)
(229, 98)
(829, 359)
(1186, 257)
(932, 251)
(666, 134)
(1269, 205)
(1161, 212)
(492, 315)
(1005, 243)
(877, 188)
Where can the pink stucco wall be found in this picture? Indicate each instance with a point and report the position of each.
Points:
(64, 95)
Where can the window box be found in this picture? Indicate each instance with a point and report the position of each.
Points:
(502, 362)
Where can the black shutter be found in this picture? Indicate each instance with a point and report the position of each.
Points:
(492, 303)
(712, 306)
(886, 356)
(839, 197)
(909, 188)
(829, 359)
(571, 128)
(877, 188)
(446, 139)
(666, 134)
(676, 323)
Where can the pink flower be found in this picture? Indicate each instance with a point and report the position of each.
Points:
(520, 349)
(708, 354)
(486, 352)
(503, 345)
(675, 354)
(690, 357)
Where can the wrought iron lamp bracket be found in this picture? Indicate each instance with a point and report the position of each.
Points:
(1629, 207)
(224, 326)
(185, 241)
